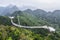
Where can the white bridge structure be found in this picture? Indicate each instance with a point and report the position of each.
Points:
(51, 29)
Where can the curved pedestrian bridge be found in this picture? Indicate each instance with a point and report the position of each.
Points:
(45, 27)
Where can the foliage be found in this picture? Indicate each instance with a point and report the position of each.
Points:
(15, 33)
(4, 20)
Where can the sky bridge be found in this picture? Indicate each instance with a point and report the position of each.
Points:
(51, 29)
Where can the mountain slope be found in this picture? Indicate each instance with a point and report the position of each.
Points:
(14, 33)
(8, 10)
(53, 18)
(29, 19)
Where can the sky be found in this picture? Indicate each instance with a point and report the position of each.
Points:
(47, 5)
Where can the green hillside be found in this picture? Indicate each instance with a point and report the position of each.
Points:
(10, 32)
(15, 33)
(29, 19)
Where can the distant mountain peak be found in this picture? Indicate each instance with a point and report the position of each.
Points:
(8, 9)
(10, 6)
(56, 11)
(28, 10)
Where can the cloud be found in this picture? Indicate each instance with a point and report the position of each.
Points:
(42, 4)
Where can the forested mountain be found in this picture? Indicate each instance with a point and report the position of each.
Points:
(8, 10)
(51, 17)
(42, 13)
(15, 33)
(28, 17)
(1, 10)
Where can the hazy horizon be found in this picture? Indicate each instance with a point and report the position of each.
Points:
(48, 5)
